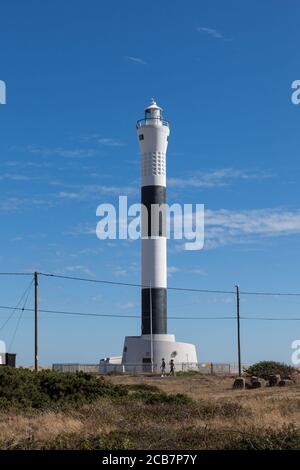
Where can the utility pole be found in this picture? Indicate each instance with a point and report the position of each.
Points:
(36, 286)
(238, 328)
(151, 330)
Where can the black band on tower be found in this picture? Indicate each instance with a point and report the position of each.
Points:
(154, 309)
(159, 311)
(153, 195)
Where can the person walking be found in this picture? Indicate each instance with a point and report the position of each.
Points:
(172, 368)
(163, 367)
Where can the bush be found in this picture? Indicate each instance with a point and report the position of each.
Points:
(152, 398)
(224, 409)
(23, 388)
(143, 387)
(188, 373)
(266, 368)
(286, 438)
(115, 440)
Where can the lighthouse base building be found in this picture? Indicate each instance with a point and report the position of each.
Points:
(145, 352)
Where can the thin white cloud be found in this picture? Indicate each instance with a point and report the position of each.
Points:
(102, 140)
(265, 221)
(120, 272)
(61, 152)
(18, 238)
(137, 60)
(16, 177)
(110, 142)
(174, 269)
(79, 268)
(83, 228)
(92, 191)
(217, 178)
(14, 204)
(211, 32)
(125, 305)
(226, 227)
(97, 298)
(26, 164)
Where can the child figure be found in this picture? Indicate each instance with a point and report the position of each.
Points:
(172, 367)
(163, 368)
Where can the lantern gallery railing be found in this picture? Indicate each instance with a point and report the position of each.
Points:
(149, 121)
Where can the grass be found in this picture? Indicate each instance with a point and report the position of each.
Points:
(174, 413)
(188, 373)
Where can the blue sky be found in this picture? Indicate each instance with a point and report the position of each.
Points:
(78, 76)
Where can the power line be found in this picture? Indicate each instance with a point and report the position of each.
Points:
(14, 309)
(16, 274)
(184, 289)
(119, 315)
(116, 315)
(4, 307)
(20, 318)
(293, 294)
(129, 284)
(271, 318)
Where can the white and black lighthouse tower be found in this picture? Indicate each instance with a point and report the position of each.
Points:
(153, 133)
(154, 343)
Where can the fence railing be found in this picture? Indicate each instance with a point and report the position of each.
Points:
(106, 367)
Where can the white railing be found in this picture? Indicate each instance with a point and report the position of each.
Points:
(149, 121)
(106, 368)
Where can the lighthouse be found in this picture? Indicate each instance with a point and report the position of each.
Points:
(153, 133)
(154, 343)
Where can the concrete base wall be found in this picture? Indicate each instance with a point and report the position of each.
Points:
(137, 350)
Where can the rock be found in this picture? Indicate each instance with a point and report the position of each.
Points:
(239, 383)
(295, 377)
(274, 380)
(258, 383)
(248, 384)
(284, 382)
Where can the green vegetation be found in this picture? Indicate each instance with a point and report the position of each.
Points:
(23, 388)
(224, 409)
(188, 373)
(68, 441)
(154, 398)
(191, 437)
(52, 410)
(266, 368)
(143, 387)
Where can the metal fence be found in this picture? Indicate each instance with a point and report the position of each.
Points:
(106, 368)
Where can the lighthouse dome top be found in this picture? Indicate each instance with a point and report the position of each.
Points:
(153, 106)
(153, 116)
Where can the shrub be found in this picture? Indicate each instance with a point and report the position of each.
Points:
(266, 368)
(115, 440)
(286, 438)
(23, 388)
(225, 409)
(188, 373)
(162, 397)
(144, 387)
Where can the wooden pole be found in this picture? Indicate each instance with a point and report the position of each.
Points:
(238, 328)
(36, 285)
(151, 330)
